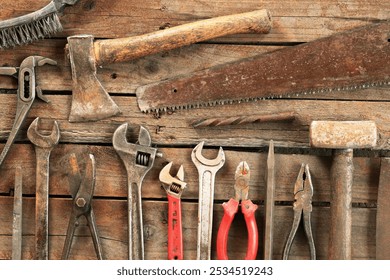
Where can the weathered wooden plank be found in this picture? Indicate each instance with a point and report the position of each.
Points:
(297, 21)
(113, 233)
(125, 77)
(112, 178)
(175, 128)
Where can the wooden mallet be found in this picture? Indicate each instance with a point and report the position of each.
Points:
(343, 137)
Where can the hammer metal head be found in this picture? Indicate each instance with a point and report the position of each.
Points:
(90, 101)
(343, 134)
(40, 140)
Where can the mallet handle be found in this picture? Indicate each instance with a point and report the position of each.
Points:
(125, 49)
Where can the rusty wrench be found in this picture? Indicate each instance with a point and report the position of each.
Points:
(174, 187)
(138, 159)
(43, 145)
(27, 91)
(207, 168)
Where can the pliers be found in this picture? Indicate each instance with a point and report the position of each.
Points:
(241, 188)
(303, 193)
(82, 193)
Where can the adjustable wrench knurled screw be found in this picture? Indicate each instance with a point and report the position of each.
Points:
(206, 169)
(138, 159)
(43, 145)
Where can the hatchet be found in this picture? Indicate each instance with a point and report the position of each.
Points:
(91, 102)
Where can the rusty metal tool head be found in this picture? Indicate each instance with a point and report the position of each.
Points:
(174, 186)
(303, 193)
(241, 185)
(343, 137)
(82, 189)
(241, 190)
(91, 102)
(33, 26)
(346, 61)
(138, 159)
(207, 168)
(26, 93)
(42, 140)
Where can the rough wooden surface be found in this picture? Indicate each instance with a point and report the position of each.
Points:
(293, 22)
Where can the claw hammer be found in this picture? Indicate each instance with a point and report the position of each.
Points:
(343, 137)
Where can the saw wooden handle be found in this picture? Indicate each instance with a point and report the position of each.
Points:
(125, 49)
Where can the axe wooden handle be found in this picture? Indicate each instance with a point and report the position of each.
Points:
(125, 49)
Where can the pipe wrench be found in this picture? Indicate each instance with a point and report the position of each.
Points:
(26, 93)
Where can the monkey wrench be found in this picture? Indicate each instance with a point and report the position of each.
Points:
(174, 187)
(138, 159)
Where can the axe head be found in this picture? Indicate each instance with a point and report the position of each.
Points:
(90, 101)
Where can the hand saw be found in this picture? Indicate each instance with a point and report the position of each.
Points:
(350, 60)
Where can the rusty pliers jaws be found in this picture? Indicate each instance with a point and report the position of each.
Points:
(303, 193)
(173, 185)
(82, 189)
(242, 177)
(303, 190)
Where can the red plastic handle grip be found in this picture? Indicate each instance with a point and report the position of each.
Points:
(248, 209)
(230, 209)
(175, 237)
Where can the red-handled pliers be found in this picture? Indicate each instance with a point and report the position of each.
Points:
(230, 208)
(174, 187)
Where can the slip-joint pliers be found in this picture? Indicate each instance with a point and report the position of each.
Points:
(241, 187)
(303, 193)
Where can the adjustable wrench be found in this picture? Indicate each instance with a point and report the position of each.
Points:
(27, 90)
(43, 145)
(174, 187)
(138, 159)
(207, 168)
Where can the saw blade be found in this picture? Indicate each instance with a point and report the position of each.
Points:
(359, 58)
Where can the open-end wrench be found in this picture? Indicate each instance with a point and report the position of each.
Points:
(27, 91)
(207, 168)
(138, 159)
(174, 187)
(43, 146)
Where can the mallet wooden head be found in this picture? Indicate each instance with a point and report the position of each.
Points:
(342, 137)
(343, 134)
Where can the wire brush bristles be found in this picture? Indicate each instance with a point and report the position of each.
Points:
(27, 32)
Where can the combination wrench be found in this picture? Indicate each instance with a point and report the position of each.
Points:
(207, 168)
(43, 145)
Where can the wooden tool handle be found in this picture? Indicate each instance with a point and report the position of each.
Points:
(125, 49)
(340, 232)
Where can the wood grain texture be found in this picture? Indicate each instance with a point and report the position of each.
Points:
(172, 133)
(111, 175)
(111, 223)
(297, 21)
(176, 129)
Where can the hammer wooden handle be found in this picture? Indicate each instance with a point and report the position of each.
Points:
(125, 49)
